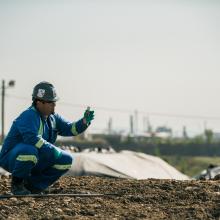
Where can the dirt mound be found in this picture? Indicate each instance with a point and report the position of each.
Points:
(138, 199)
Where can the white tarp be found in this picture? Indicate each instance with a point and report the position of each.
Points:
(125, 164)
(3, 172)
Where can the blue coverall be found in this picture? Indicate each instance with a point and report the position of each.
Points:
(28, 151)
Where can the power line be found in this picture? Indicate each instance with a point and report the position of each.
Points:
(107, 109)
(17, 97)
(181, 116)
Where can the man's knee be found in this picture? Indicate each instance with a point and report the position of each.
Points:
(68, 158)
(65, 157)
(64, 163)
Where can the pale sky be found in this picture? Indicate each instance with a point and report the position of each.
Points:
(150, 56)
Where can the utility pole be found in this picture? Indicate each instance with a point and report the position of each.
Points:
(10, 84)
(136, 122)
(185, 136)
(131, 125)
(3, 109)
(110, 126)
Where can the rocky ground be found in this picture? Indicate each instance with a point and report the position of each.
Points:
(136, 199)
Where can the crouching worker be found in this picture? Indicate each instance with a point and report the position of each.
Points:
(28, 152)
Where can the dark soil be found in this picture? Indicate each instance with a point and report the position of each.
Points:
(137, 199)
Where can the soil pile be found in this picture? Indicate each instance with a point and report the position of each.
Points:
(137, 199)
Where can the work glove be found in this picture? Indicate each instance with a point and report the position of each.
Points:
(57, 152)
(88, 116)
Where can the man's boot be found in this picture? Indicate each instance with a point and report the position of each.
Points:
(17, 186)
(32, 188)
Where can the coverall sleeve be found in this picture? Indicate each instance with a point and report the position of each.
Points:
(66, 128)
(28, 125)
